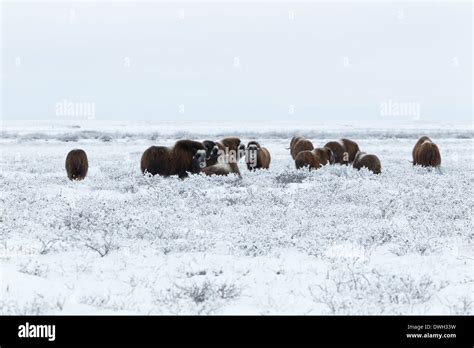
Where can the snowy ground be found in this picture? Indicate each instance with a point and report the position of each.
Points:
(275, 242)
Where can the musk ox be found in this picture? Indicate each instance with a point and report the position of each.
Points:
(344, 150)
(339, 150)
(371, 162)
(351, 148)
(294, 140)
(76, 164)
(315, 158)
(231, 149)
(185, 156)
(222, 169)
(212, 152)
(343, 155)
(257, 157)
(426, 153)
(298, 144)
(224, 156)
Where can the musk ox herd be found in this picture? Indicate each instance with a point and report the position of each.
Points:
(343, 151)
(221, 157)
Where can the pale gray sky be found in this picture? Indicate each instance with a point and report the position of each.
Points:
(207, 60)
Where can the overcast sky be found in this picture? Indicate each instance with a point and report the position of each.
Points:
(248, 61)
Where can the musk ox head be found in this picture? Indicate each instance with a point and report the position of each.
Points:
(253, 148)
(330, 155)
(324, 155)
(233, 148)
(199, 160)
(339, 151)
(212, 152)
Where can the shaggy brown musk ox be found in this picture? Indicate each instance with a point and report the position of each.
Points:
(351, 148)
(315, 158)
(298, 144)
(338, 149)
(257, 157)
(344, 150)
(369, 161)
(77, 164)
(232, 148)
(426, 153)
(222, 169)
(224, 161)
(183, 157)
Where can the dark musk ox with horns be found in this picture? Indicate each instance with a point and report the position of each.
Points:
(224, 157)
(426, 153)
(185, 156)
(256, 156)
(76, 164)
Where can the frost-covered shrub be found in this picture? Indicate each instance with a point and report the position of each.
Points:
(372, 292)
(118, 223)
(290, 177)
(203, 297)
(463, 306)
(34, 268)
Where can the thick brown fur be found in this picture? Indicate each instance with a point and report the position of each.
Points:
(294, 140)
(426, 153)
(222, 169)
(212, 152)
(77, 164)
(224, 161)
(351, 148)
(340, 154)
(175, 160)
(263, 157)
(371, 162)
(233, 144)
(418, 143)
(299, 144)
(315, 158)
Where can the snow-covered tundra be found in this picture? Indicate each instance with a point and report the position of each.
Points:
(277, 241)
